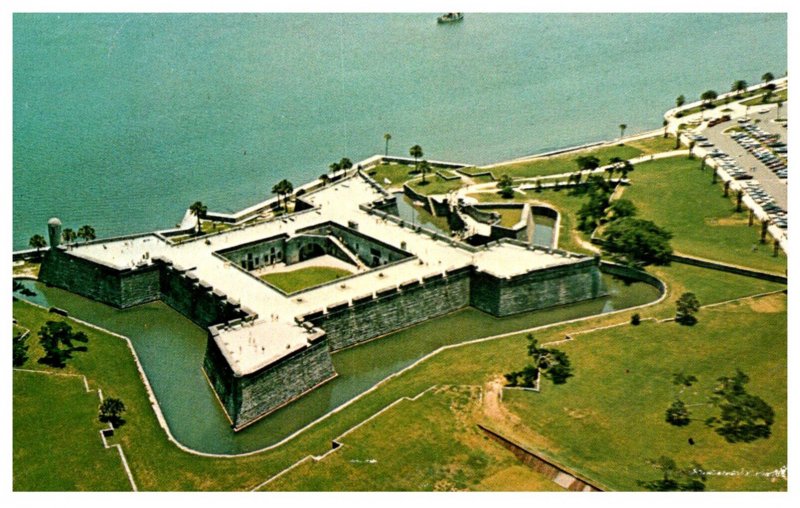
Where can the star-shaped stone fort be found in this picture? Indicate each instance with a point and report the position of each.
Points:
(266, 347)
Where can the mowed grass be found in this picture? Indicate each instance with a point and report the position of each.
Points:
(157, 464)
(57, 444)
(303, 278)
(508, 216)
(397, 174)
(434, 184)
(608, 420)
(429, 444)
(675, 194)
(564, 163)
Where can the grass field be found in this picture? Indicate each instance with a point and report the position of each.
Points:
(435, 185)
(303, 278)
(779, 96)
(397, 174)
(676, 195)
(508, 216)
(57, 443)
(429, 444)
(564, 163)
(158, 464)
(609, 419)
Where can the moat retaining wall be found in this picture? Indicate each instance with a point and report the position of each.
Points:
(370, 316)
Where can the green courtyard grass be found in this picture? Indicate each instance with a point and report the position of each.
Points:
(608, 420)
(303, 278)
(157, 464)
(676, 195)
(57, 444)
(430, 444)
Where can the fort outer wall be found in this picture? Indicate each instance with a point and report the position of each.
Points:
(247, 399)
(374, 315)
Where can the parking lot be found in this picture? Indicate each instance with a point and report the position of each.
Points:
(769, 178)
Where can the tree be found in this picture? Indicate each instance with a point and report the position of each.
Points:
(110, 411)
(677, 414)
(550, 363)
(708, 96)
(680, 101)
(68, 235)
(778, 113)
(325, 179)
(687, 306)
(767, 77)
(665, 123)
(681, 379)
(199, 210)
(744, 417)
(386, 138)
(334, 167)
(622, 208)
(739, 196)
(689, 479)
(613, 164)
(283, 189)
(20, 349)
(416, 152)
(587, 162)
(637, 242)
(86, 232)
(424, 167)
(622, 128)
(507, 192)
(54, 334)
(37, 242)
(505, 181)
(739, 86)
(627, 167)
(344, 165)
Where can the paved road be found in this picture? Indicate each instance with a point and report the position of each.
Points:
(770, 182)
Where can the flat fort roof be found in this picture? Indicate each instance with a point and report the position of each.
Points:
(251, 346)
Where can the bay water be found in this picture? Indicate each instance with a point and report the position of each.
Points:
(121, 121)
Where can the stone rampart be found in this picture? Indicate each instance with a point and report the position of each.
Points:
(195, 299)
(119, 288)
(538, 289)
(391, 309)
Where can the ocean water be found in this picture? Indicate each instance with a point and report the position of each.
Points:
(123, 120)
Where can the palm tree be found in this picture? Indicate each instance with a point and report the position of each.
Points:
(778, 114)
(198, 209)
(283, 189)
(68, 235)
(665, 123)
(680, 101)
(334, 167)
(614, 164)
(345, 164)
(37, 242)
(424, 167)
(678, 137)
(325, 179)
(739, 86)
(622, 128)
(707, 97)
(416, 152)
(767, 77)
(86, 232)
(739, 194)
(387, 137)
(627, 167)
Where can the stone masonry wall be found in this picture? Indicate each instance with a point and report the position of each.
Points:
(220, 375)
(119, 288)
(372, 316)
(271, 388)
(195, 300)
(537, 290)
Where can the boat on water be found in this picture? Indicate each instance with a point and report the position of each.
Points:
(450, 17)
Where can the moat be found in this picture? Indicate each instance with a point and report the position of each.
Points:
(171, 348)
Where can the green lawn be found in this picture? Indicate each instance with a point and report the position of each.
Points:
(779, 96)
(609, 419)
(435, 185)
(676, 195)
(565, 163)
(303, 278)
(57, 444)
(655, 144)
(158, 464)
(213, 227)
(397, 174)
(508, 216)
(430, 444)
